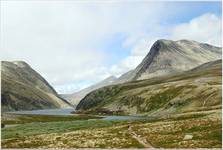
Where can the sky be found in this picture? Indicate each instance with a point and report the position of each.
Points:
(74, 44)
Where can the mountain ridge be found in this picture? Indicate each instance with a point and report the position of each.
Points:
(25, 89)
(74, 98)
(193, 90)
(168, 57)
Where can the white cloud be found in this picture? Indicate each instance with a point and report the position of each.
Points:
(62, 40)
(125, 65)
(205, 28)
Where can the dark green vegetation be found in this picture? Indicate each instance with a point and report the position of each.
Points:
(195, 90)
(22, 88)
(203, 127)
(38, 128)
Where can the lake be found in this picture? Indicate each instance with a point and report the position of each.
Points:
(67, 111)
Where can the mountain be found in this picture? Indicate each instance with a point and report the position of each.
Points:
(125, 77)
(165, 57)
(169, 57)
(194, 90)
(22, 88)
(77, 96)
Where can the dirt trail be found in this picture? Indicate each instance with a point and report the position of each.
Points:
(141, 140)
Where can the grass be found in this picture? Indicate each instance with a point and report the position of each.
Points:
(37, 128)
(163, 133)
(21, 119)
(170, 133)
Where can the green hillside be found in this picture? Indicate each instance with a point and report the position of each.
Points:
(195, 90)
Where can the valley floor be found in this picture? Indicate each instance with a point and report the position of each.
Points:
(190, 130)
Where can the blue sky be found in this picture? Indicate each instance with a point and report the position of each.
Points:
(189, 10)
(186, 12)
(76, 44)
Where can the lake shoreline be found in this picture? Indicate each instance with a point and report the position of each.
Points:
(70, 112)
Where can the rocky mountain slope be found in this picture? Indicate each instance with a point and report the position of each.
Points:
(77, 96)
(169, 57)
(22, 88)
(194, 90)
(165, 57)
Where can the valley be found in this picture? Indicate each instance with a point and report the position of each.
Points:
(172, 99)
(203, 129)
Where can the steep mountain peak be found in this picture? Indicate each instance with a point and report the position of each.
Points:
(163, 41)
(20, 64)
(187, 41)
(168, 57)
(25, 89)
(164, 45)
(13, 64)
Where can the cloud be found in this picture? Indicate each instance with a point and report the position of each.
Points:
(64, 41)
(205, 28)
(125, 65)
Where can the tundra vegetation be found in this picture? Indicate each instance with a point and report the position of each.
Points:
(186, 130)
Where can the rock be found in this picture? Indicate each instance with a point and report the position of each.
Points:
(188, 137)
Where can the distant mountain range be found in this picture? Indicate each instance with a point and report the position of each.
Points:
(165, 57)
(77, 96)
(22, 88)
